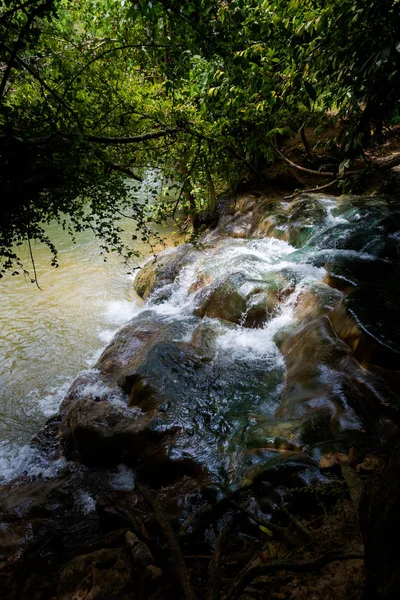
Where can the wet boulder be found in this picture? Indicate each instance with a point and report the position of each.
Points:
(92, 385)
(105, 434)
(304, 214)
(222, 301)
(294, 223)
(326, 387)
(240, 300)
(372, 288)
(127, 349)
(163, 269)
(354, 206)
(237, 220)
(270, 220)
(236, 226)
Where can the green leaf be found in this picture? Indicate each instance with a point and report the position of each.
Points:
(266, 530)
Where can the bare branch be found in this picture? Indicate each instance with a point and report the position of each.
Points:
(301, 566)
(309, 190)
(303, 169)
(33, 264)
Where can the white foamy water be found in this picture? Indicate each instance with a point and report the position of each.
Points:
(84, 502)
(123, 479)
(19, 461)
(57, 333)
(252, 260)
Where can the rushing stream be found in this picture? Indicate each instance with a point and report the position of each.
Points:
(246, 392)
(209, 357)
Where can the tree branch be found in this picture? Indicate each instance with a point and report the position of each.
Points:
(33, 264)
(302, 566)
(303, 169)
(43, 83)
(309, 190)
(15, 9)
(387, 164)
(109, 51)
(213, 576)
(115, 141)
(18, 44)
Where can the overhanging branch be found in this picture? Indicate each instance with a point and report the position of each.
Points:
(116, 141)
(303, 169)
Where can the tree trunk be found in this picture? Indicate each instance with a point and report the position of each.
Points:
(380, 518)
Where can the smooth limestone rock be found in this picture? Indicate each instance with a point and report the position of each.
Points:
(295, 223)
(130, 345)
(238, 300)
(326, 386)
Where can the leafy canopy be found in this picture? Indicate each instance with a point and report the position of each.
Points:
(94, 92)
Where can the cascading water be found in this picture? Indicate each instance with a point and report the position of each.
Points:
(213, 344)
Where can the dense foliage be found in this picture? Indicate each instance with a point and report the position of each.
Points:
(94, 92)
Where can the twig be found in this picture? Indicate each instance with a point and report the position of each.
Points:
(213, 576)
(309, 190)
(33, 265)
(176, 554)
(301, 566)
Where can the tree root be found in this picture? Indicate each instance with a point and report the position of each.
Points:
(302, 566)
(378, 165)
(213, 577)
(281, 533)
(176, 554)
(302, 529)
